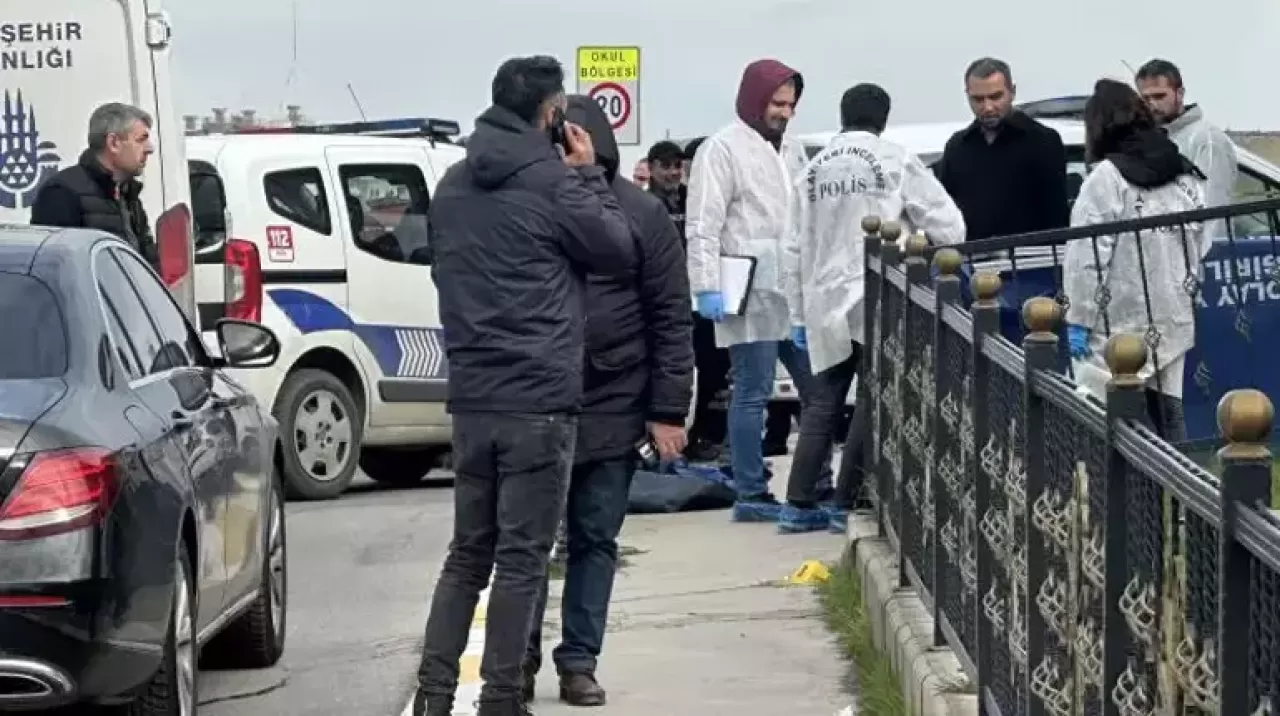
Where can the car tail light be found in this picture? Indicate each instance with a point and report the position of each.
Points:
(60, 491)
(174, 244)
(244, 281)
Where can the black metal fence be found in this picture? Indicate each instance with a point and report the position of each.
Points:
(1074, 561)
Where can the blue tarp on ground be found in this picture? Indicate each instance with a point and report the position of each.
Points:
(680, 487)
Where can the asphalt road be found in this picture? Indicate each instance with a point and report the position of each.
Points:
(360, 570)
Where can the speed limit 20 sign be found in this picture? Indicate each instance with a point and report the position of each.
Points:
(611, 77)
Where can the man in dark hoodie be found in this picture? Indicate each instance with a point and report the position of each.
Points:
(739, 204)
(639, 378)
(513, 229)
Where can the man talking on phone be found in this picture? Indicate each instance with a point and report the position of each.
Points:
(637, 386)
(513, 229)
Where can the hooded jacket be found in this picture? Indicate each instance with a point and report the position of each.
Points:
(740, 190)
(1210, 149)
(85, 195)
(1144, 175)
(639, 347)
(513, 232)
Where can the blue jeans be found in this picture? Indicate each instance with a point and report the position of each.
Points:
(753, 367)
(594, 512)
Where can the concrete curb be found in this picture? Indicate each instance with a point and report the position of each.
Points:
(902, 628)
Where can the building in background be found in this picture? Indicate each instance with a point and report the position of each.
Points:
(220, 121)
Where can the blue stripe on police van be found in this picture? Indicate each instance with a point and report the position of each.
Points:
(401, 351)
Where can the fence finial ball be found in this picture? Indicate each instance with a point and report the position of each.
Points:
(986, 286)
(948, 261)
(890, 230)
(916, 245)
(1245, 416)
(1125, 354)
(1041, 314)
(871, 225)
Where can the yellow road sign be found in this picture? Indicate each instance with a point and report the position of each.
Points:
(608, 64)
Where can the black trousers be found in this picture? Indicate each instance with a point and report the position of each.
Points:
(710, 419)
(511, 471)
(820, 425)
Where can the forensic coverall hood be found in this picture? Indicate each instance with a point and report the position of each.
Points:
(759, 81)
(584, 112)
(502, 145)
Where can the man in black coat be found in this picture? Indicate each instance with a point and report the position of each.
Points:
(513, 229)
(639, 379)
(102, 190)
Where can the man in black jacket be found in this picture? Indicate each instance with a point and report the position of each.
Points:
(639, 370)
(1008, 175)
(513, 228)
(102, 190)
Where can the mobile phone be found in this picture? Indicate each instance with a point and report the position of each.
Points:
(559, 135)
(648, 453)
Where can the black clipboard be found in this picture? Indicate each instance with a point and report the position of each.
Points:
(737, 274)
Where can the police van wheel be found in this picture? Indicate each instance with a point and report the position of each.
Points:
(320, 432)
(400, 467)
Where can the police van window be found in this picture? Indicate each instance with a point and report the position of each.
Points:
(298, 195)
(179, 346)
(1252, 186)
(387, 207)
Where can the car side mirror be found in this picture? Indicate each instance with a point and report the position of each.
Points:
(246, 344)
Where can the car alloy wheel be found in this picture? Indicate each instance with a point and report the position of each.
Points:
(184, 643)
(277, 575)
(322, 435)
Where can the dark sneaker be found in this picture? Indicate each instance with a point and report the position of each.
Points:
(424, 705)
(503, 708)
(528, 682)
(577, 689)
(797, 520)
(763, 508)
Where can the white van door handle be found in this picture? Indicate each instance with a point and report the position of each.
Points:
(159, 31)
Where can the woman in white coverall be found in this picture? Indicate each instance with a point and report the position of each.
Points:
(1138, 172)
(739, 198)
(857, 175)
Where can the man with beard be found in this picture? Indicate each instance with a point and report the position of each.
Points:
(739, 204)
(1207, 146)
(1008, 174)
(637, 380)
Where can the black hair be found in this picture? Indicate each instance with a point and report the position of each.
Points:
(1156, 68)
(1113, 112)
(984, 67)
(666, 152)
(865, 106)
(523, 84)
(691, 148)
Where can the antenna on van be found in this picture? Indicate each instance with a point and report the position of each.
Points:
(356, 100)
(1129, 67)
(293, 65)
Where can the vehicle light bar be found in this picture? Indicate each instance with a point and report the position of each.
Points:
(409, 127)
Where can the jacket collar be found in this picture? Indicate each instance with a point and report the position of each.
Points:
(129, 189)
(1192, 114)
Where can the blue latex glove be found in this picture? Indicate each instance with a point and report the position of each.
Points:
(1078, 340)
(800, 338)
(711, 305)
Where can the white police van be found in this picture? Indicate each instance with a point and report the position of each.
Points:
(325, 242)
(61, 59)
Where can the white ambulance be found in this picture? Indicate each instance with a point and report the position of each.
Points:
(326, 244)
(61, 59)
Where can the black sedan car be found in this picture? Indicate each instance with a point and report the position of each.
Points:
(141, 520)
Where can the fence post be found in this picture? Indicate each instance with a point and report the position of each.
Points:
(872, 355)
(1245, 419)
(1125, 355)
(917, 269)
(890, 255)
(986, 322)
(947, 291)
(1040, 348)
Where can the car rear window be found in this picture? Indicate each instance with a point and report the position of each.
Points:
(34, 343)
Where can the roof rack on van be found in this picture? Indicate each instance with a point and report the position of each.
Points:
(441, 130)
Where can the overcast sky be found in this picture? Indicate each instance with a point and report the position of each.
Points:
(434, 58)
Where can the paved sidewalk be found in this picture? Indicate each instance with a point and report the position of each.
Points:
(703, 623)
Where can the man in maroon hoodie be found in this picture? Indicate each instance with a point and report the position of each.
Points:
(739, 204)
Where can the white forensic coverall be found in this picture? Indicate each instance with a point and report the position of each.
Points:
(1106, 197)
(857, 175)
(1211, 150)
(739, 198)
